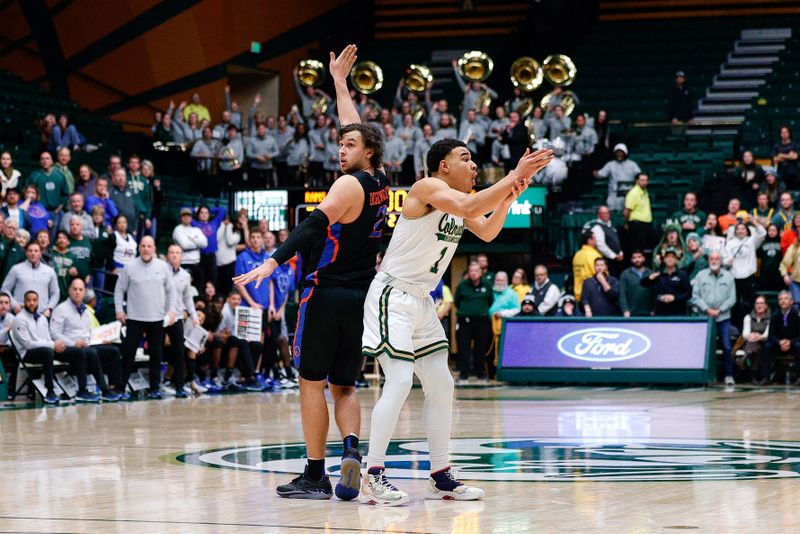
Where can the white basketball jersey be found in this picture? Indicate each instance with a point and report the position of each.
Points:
(421, 249)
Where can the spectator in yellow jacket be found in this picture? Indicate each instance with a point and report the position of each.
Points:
(583, 262)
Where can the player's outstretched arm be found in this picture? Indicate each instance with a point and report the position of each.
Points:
(487, 228)
(439, 195)
(345, 196)
(340, 69)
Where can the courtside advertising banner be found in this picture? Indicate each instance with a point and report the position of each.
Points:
(600, 346)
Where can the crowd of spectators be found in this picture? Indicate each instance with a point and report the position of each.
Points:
(83, 253)
(78, 247)
(300, 147)
(697, 264)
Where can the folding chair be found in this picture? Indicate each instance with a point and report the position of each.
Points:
(30, 368)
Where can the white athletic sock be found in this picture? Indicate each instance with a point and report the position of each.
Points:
(399, 379)
(437, 413)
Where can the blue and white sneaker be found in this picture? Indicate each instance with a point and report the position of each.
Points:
(252, 386)
(154, 394)
(167, 390)
(50, 398)
(85, 396)
(110, 396)
(350, 481)
(210, 386)
(445, 485)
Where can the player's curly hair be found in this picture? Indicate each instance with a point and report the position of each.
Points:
(439, 151)
(372, 139)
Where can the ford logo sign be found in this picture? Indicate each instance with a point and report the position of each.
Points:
(603, 344)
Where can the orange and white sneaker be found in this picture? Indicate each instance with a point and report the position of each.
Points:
(444, 484)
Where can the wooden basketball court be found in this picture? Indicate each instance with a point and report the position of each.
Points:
(552, 459)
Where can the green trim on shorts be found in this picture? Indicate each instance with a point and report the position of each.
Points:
(386, 348)
(431, 349)
(383, 314)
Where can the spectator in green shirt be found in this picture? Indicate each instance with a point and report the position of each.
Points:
(696, 259)
(143, 195)
(52, 184)
(473, 299)
(63, 264)
(64, 157)
(14, 253)
(483, 261)
(636, 300)
(80, 247)
(689, 219)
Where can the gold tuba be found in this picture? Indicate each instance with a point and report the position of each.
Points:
(559, 69)
(526, 74)
(235, 163)
(367, 77)
(417, 78)
(311, 73)
(568, 101)
(477, 66)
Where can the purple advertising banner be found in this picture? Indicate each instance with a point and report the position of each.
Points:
(605, 344)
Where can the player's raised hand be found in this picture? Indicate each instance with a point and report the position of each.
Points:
(532, 162)
(258, 274)
(340, 66)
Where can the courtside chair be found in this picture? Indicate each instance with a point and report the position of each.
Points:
(31, 368)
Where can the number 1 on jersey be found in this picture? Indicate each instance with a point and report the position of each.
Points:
(435, 267)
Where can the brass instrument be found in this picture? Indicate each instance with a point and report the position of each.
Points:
(419, 113)
(568, 101)
(311, 73)
(559, 70)
(477, 66)
(235, 163)
(417, 78)
(527, 75)
(367, 77)
(321, 104)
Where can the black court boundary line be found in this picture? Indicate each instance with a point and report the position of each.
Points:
(205, 523)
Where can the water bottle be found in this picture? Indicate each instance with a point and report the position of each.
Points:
(788, 377)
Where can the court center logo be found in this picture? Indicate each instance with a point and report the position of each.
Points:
(603, 344)
(543, 459)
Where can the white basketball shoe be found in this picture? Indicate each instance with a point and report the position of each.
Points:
(444, 484)
(377, 490)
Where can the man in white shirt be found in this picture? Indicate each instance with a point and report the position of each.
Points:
(35, 345)
(192, 240)
(32, 275)
(184, 307)
(71, 324)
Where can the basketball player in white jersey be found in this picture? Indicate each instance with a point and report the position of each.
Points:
(401, 327)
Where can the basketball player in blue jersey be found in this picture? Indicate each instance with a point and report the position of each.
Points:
(338, 244)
